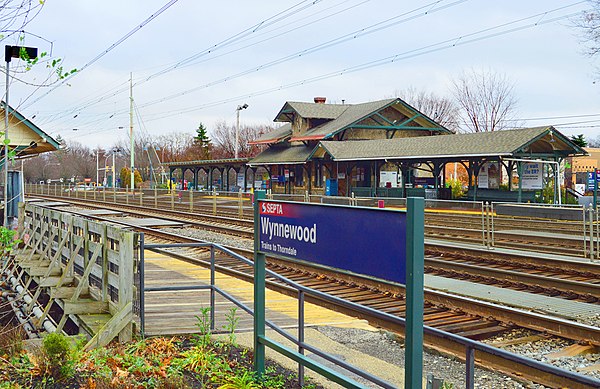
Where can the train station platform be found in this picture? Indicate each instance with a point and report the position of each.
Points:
(169, 313)
(566, 309)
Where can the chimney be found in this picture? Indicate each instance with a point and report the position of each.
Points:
(320, 100)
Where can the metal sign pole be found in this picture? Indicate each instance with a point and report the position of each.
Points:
(415, 253)
(259, 290)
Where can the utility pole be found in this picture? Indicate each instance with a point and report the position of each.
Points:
(131, 129)
(237, 128)
(5, 222)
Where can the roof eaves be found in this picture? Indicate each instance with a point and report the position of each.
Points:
(380, 158)
(31, 126)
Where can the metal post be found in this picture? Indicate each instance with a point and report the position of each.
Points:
(591, 221)
(259, 291)
(415, 254)
(595, 189)
(155, 197)
(470, 368)
(215, 202)
(492, 216)
(142, 287)
(141, 198)
(104, 194)
(483, 223)
(5, 223)
(212, 288)
(300, 336)
(191, 201)
(584, 233)
(488, 227)
(240, 204)
(173, 198)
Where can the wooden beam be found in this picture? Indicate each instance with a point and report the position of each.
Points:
(111, 329)
(82, 307)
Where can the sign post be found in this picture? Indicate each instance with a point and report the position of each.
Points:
(415, 253)
(259, 290)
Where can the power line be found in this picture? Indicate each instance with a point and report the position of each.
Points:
(109, 49)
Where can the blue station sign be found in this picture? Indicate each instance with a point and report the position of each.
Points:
(366, 241)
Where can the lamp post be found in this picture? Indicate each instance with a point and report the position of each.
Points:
(11, 52)
(237, 127)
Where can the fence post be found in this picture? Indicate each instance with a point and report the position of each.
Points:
(212, 288)
(173, 198)
(300, 336)
(470, 368)
(115, 195)
(240, 204)
(155, 197)
(584, 232)
(492, 216)
(591, 220)
(142, 285)
(104, 194)
(259, 292)
(191, 201)
(214, 201)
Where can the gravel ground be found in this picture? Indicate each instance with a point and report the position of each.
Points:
(388, 347)
(385, 345)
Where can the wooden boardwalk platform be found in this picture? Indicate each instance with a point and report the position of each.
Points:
(170, 313)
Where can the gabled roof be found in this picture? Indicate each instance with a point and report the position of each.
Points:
(277, 135)
(522, 142)
(310, 110)
(25, 136)
(355, 113)
(282, 155)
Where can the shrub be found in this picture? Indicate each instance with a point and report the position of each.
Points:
(57, 352)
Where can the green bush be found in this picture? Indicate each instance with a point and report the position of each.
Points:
(457, 188)
(57, 352)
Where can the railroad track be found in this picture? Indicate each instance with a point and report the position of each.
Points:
(464, 228)
(459, 315)
(578, 281)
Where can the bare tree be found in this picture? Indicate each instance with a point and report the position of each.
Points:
(590, 25)
(441, 109)
(486, 100)
(223, 139)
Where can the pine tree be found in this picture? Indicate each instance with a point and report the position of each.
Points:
(203, 141)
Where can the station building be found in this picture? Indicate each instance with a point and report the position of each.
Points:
(389, 148)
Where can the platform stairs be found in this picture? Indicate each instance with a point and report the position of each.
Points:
(70, 270)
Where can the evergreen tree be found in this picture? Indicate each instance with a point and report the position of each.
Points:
(202, 141)
(579, 140)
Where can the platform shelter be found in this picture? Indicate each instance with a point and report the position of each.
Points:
(25, 137)
(387, 148)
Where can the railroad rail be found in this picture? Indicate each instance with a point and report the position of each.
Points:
(455, 314)
(552, 277)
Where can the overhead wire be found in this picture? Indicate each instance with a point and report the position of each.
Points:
(106, 51)
(443, 45)
(230, 40)
(426, 9)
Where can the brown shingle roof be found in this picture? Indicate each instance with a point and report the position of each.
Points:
(282, 155)
(480, 144)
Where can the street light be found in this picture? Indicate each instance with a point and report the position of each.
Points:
(11, 52)
(237, 127)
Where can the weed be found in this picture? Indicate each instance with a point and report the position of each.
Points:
(11, 341)
(231, 325)
(245, 380)
(447, 385)
(203, 324)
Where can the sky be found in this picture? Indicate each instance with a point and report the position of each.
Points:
(196, 61)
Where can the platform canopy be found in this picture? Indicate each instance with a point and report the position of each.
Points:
(538, 142)
(27, 138)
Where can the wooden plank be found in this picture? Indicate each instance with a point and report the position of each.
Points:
(93, 323)
(126, 250)
(35, 263)
(53, 281)
(84, 307)
(117, 325)
(66, 292)
(44, 271)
